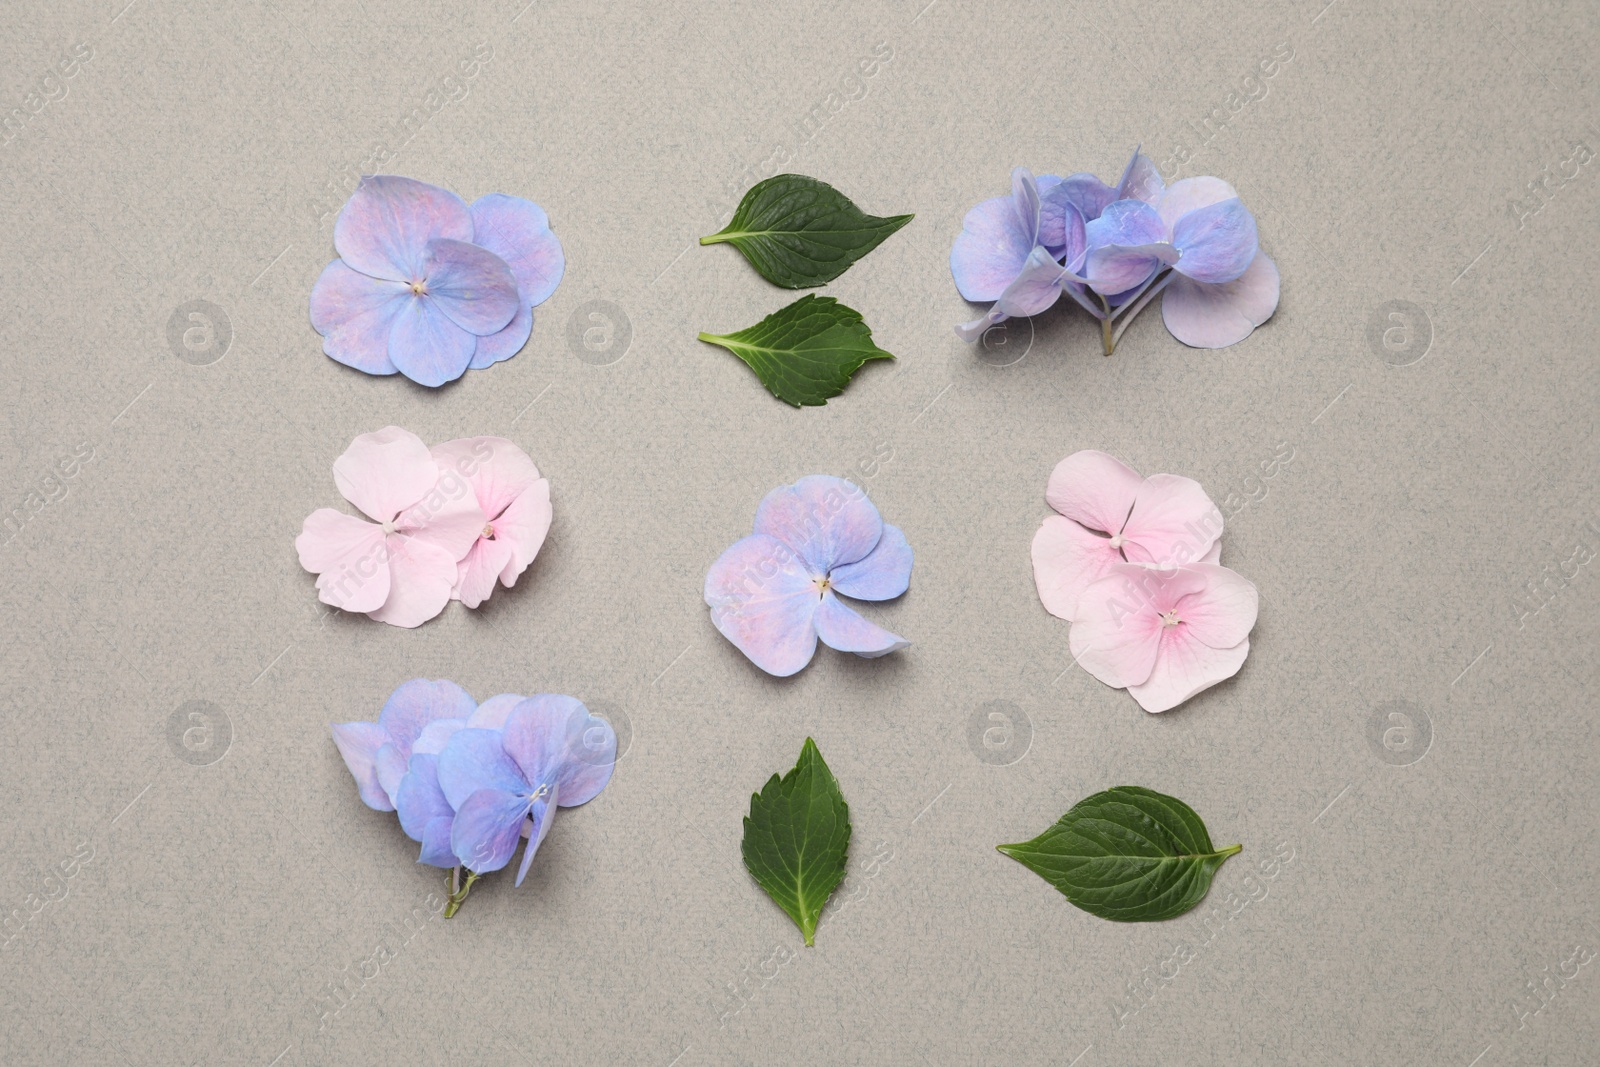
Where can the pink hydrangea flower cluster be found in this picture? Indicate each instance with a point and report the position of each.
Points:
(1132, 563)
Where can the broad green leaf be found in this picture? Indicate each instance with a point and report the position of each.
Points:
(805, 352)
(795, 838)
(799, 232)
(1128, 854)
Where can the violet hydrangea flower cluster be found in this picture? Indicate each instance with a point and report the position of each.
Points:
(468, 780)
(427, 287)
(1112, 249)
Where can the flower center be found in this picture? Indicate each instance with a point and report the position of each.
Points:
(1170, 619)
(823, 585)
(539, 793)
(488, 531)
(420, 288)
(1116, 541)
(389, 528)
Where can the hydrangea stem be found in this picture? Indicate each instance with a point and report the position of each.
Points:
(1106, 341)
(458, 890)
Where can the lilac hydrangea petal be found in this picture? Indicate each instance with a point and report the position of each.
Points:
(1217, 243)
(472, 285)
(883, 574)
(543, 813)
(427, 346)
(589, 757)
(1025, 202)
(1036, 288)
(487, 828)
(391, 767)
(491, 714)
(518, 231)
(535, 735)
(1192, 194)
(419, 800)
(1141, 180)
(1085, 192)
(1126, 222)
(1216, 316)
(415, 704)
(436, 735)
(358, 743)
(1117, 271)
(436, 849)
(385, 227)
(474, 760)
(354, 313)
(496, 347)
(841, 628)
(995, 239)
(827, 520)
(762, 598)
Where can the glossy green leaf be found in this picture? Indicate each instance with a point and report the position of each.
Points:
(1127, 854)
(799, 232)
(795, 838)
(805, 352)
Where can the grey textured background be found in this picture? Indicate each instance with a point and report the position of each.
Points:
(1418, 554)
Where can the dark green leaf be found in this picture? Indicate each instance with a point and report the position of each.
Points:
(799, 232)
(1128, 854)
(795, 838)
(806, 352)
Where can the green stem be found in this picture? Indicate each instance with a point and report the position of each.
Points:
(457, 897)
(1231, 850)
(1107, 343)
(718, 238)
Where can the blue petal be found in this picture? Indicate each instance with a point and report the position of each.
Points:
(827, 520)
(843, 629)
(436, 843)
(419, 799)
(491, 714)
(1085, 192)
(762, 597)
(487, 827)
(883, 575)
(1036, 288)
(995, 239)
(415, 704)
(558, 743)
(1126, 222)
(1127, 244)
(543, 814)
(391, 767)
(358, 743)
(503, 345)
(1217, 242)
(1061, 224)
(1141, 180)
(474, 760)
(426, 346)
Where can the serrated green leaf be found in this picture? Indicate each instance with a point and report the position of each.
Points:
(1127, 854)
(806, 352)
(795, 838)
(799, 232)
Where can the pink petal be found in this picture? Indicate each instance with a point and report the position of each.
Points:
(1191, 194)
(477, 572)
(497, 470)
(1223, 612)
(1216, 315)
(763, 599)
(448, 518)
(1116, 635)
(1067, 559)
(385, 472)
(518, 231)
(1173, 522)
(349, 558)
(421, 577)
(843, 629)
(523, 526)
(354, 314)
(1093, 489)
(385, 227)
(828, 520)
(1185, 666)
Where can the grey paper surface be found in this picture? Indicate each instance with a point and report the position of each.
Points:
(1412, 736)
